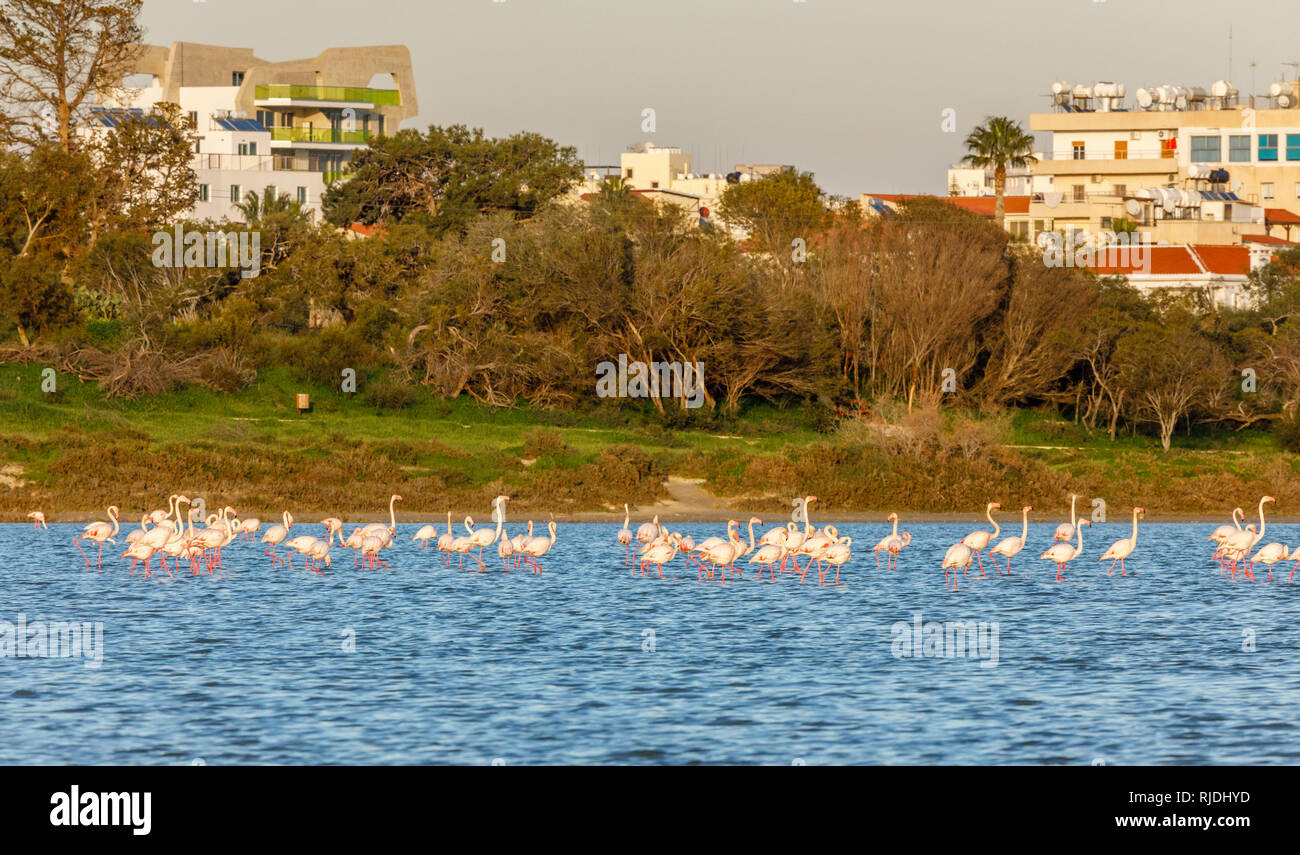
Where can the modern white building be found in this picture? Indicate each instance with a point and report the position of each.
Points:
(293, 125)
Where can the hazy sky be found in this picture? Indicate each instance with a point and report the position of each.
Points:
(849, 89)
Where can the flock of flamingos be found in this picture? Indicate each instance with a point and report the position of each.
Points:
(171, 534)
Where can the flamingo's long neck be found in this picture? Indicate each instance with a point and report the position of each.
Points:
(1024, 526)
(988, 512)
(1237, 522)
(501, 518)
(895, 532)
(1260, 536)
(751, 534)
(1074, 521)
(392, 514)
(1079, 551)
(1134, 538)
(113, 517)
(552, 528)
(627, 517)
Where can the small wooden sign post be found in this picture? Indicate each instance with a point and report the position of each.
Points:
(304, 403)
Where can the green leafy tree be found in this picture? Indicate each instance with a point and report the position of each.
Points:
(449, 176)
(778, 210)
(999, 144)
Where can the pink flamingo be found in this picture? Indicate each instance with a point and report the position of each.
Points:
(1270, 555)
(1222, 533)
(814, 546)
(1062, 554)
(660, 554)
(425, 534)
(1121, 549)
(249, 528)
(1239, 545)
(275, 535)
(370, 547)
(647, 532)
(897, 545)
(505, 549)
(38, 520)
(537, 547)
(333, 526)
(767, 555)
(1011, 546)
(836, 555)
(301, 544)
(625, 536)
(138, 552)
(99, 532)
(883, 545)
(1065, 531)
(977, 540)
(956, 558)
(517, 543)
(445, 541)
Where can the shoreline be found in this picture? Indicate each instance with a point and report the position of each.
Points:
(668, 515)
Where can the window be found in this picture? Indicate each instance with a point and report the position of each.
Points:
(1297, 189)
(1080, 191)
(234, 194)
(629, 173)
(204, 194)
(1121, 149)
(1239, 148)
(243, 148)
(1206, 149)
(1107, 223)
(654, 185)
(302, 195)
(236, 78)
(1077, 150)
(194, 118)
(1268, 147)
(1293, 146)
(265, 118)
(1120, 190)
(286, 119)
(1169, 147)
(252, 148)
(1266, 190)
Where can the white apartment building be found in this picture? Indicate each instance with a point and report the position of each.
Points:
(293, 125)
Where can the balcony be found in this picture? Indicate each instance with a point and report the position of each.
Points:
(320, 135)
(349, 94)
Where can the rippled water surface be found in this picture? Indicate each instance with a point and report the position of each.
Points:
(592, 663)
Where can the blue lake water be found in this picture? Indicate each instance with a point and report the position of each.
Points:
(591, 663)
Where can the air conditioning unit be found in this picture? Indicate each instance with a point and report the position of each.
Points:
(1096, 179)
(1135, 135)
(1161, 134)
(221, 114)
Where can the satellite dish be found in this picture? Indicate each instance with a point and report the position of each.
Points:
(1133, 207)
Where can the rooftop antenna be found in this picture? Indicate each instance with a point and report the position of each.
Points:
(1295, 66)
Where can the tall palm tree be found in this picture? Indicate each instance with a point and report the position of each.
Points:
(999, 144)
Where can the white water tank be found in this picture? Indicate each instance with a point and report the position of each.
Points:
(1144, 98)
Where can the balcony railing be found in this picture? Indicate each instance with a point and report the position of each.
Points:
(319, 135)
(378, 97)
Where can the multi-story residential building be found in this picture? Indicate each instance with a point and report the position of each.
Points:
(1187, 166)
(290, 125)
(664, 172)
(975, 181)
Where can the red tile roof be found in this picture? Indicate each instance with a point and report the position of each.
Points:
(1197, 260)
(1268, 239)
(1281, 217)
